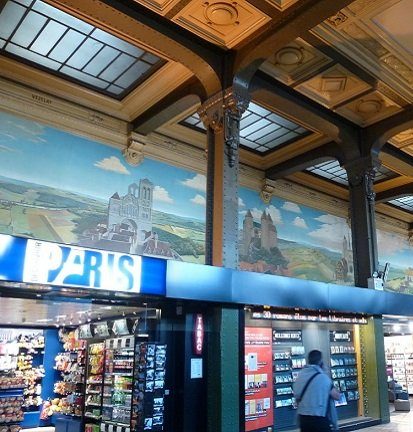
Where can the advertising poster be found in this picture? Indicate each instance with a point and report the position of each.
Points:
(259, 410)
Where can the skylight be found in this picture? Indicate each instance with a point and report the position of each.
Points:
(332, 170)
(46, 37)
(405, 203)
(261, 130)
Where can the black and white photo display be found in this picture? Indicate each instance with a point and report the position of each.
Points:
(149, 388)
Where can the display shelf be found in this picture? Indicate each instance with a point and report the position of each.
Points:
(118, 381)
(344, 372)
(291, 355)
(11, 402)
(94, 381)
(70, 363)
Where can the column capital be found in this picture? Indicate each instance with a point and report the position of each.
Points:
(222, 112)
(361, 172)
(212, 111)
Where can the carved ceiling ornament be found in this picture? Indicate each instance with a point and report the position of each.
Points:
(133, 153)
(221, 13)
(267, 190)
(289, 56)
(338, 19)
(223, 22)
(369, 108)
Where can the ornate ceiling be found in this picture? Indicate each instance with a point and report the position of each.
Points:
(322, 65)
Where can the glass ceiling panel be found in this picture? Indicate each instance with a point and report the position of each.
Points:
(405, 203)
(260, 129)
(45, 36)
(332, 170)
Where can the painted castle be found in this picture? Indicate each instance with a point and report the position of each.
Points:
(129, 226)
(345, 267)
(259, 235)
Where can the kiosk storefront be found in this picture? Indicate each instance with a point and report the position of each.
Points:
(277, 343)
(89, 341)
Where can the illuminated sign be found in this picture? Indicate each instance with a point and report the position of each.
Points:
(55, 264)
(199, 332)
(341, 336)
(286, 336)
(308, 316)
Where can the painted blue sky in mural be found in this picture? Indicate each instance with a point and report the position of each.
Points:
(28, 149)
(295, 222)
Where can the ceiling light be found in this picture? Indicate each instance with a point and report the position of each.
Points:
(396, 328)
(411, 326)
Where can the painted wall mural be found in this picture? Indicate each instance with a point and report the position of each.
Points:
(60, 187)
(293, 240)
(288, 239)
(398, 251)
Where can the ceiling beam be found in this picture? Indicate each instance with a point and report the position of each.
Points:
(303, 161)
(397, 160)
(293, 23)
(336, 56)
(379, 133)
(303, 110)
(394, 193)
(183, 97)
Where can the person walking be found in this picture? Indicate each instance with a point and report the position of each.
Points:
(314, 392)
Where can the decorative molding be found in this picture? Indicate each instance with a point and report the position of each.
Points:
(171, 75)
(225, 23)
(295, 62)
(338, 19)
(369, 109)
(370, 38)
(282, 5)
(133, 153)
(160, 7)
(266, 190)
(333, 86)
(40, 106)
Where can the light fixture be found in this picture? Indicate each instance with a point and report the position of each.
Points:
(411, 326)
(396, 328)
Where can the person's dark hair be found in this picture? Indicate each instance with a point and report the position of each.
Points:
(315, 357)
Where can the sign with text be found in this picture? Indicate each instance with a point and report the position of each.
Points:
(56, 264)
(279, 336)
(259, 404)
(41, 262)
(198, 334)
(341, 336)
(307, 316)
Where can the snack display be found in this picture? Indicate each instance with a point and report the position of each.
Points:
(94, 381)
(71, 365)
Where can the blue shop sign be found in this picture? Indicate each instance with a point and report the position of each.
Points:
(40, 262)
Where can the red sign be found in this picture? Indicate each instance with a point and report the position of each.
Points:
(199, 332)
(259, 403)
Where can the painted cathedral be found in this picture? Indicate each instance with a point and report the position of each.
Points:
(129, 226)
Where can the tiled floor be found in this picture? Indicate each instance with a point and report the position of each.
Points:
(399, 422)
